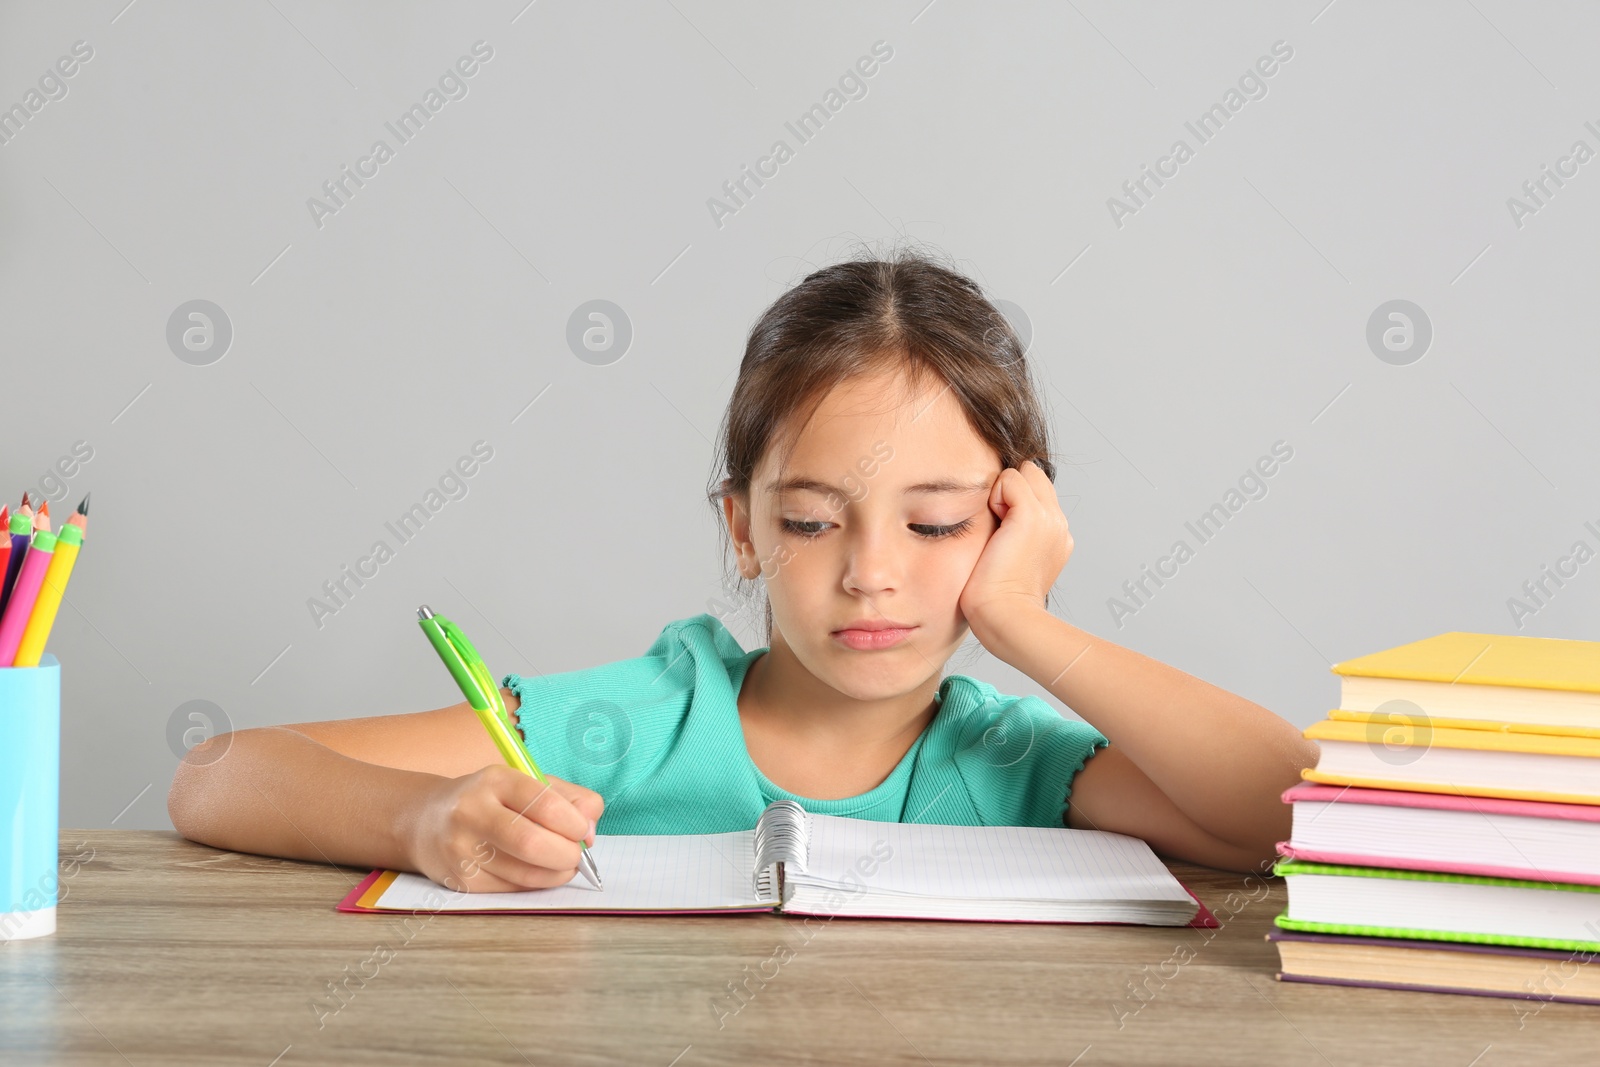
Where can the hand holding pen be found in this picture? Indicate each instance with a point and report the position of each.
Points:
(469, 829)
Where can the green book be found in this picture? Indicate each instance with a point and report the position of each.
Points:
(1430, 906)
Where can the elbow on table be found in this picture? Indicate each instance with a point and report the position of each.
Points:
(190, 798)
(1253, 857)
(1261, 858)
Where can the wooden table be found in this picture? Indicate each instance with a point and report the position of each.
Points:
(168, 952)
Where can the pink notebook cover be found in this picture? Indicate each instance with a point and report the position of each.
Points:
(1203, 918)
(1533, 809)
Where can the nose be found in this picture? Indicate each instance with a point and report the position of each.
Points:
(872, 563)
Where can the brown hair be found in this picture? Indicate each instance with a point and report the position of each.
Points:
(863, 316)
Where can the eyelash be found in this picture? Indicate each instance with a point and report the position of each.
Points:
(798, 527)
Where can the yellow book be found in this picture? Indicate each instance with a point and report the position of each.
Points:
(1539, 683)
(1400, 718)
(1382, 751)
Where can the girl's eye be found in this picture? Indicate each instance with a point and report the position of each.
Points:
(803, 527)
(933, 533)
(815, 528)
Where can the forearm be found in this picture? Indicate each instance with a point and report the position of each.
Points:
(277, 792)
(1223, 760)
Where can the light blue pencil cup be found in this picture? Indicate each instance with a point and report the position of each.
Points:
(30, 798)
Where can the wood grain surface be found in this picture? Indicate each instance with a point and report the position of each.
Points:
(168, 952)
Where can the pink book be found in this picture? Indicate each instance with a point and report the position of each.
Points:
(1488, 836)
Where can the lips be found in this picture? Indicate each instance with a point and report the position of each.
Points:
(874, 624)
(871, 635)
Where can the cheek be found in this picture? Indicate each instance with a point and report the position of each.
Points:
(939, 572)
(798, 568)
(959, 562)
(766, 539)
(789, 563)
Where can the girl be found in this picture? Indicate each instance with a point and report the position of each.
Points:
(885, 476)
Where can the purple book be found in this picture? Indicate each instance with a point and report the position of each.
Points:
(1540, 974)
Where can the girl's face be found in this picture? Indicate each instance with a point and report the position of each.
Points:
(866, 538)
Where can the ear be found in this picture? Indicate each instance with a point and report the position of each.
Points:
(736, 511)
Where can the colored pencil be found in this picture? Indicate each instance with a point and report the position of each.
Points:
(20, 531)
(80, 518)
(48, 602)
(29, 580)
(5, 546)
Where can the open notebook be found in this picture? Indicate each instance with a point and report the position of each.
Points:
(802, 863)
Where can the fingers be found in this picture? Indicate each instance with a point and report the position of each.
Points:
(547, 804)
(1004, 495)
(499, 830)
(587, 801)
(1029, 484)
(1026, 487)
(521, 848)
(532, 857)
(1028, 491)
(1043, 488)
(1031, 479)
(507, 866)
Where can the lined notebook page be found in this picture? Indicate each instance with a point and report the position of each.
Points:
(993, 862)
(640, 872)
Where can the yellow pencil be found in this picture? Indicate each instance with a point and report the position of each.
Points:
(43, 616)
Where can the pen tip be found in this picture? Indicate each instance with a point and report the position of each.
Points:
(590, 871)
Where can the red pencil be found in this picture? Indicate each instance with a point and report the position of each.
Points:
(5, 549)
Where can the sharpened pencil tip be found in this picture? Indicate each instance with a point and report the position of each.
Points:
(83, 505)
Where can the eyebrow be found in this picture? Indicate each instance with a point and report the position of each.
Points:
(942, 485)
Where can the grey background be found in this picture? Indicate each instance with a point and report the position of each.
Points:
(369, 354)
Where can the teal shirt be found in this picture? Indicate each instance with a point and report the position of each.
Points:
(659, 738)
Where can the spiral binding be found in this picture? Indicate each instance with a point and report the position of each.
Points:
(782, 834)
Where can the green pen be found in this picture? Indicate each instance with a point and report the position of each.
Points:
(477, 685)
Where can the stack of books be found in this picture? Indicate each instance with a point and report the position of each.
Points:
(1448, 839)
